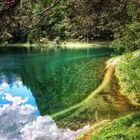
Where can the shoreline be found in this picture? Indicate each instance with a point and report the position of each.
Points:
(116, 61)
(95, 128)
(69, 45)
(98, 102)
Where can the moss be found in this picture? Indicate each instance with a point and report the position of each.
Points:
(124, 128)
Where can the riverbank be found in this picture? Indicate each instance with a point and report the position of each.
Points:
(126, 125)
(104, 103)
(127, 72)
(49, 45)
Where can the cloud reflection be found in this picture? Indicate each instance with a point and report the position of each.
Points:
(16, 100)
(3, 85)
(19, 119)
(19, 122)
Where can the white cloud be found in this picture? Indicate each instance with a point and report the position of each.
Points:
(16, 100)
(20, 123)
(3, 85)
(12, 120)
(44, 128)
(18, 82)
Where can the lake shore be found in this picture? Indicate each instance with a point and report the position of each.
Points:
(101, 126)
(49, 45)
(97, 105)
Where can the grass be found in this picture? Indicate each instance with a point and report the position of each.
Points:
(93, 130)
(77, 45)
(124, 128)
(128, 73)
(127, 127)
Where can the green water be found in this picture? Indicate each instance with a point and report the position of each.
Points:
(57, 79)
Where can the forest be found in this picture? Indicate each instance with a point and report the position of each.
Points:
(77, 20)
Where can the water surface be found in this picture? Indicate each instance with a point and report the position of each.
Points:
(54, 79)
(46, 82)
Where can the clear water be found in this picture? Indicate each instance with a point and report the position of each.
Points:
(46, 82)
(53, 80)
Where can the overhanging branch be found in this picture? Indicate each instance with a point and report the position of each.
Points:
(10, 8)
(46, 12)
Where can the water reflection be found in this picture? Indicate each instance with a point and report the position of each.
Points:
(13, 91)
(18, 122)
(57, 80)
(19, 116)
(40, 83)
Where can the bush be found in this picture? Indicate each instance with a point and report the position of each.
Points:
(128, 73)
(128, 38)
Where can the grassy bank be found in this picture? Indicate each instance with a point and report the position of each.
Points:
(124, 128)
(103, 103)
(127, 127)
(128, 73)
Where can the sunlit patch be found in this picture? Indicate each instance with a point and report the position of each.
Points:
(137, 54)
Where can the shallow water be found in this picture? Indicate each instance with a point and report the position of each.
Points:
(45, 82)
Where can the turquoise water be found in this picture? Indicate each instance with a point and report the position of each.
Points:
(50, 80)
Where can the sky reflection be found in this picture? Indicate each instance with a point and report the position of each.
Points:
(20, 119)
(15, 92)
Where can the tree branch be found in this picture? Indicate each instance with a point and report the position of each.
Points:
(50, 7)
(10, 8)
(46, 11)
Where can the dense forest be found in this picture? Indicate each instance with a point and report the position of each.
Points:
(87, 20)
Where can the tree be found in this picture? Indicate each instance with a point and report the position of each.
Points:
(18, 18)
(94, 18)
(72, 19)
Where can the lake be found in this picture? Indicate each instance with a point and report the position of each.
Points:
(36, 84)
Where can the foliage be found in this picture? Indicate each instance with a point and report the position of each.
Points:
(128, 72)
(128, 38)
(74, 19)
(24, 19)
(125, 128)
(106, 20)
